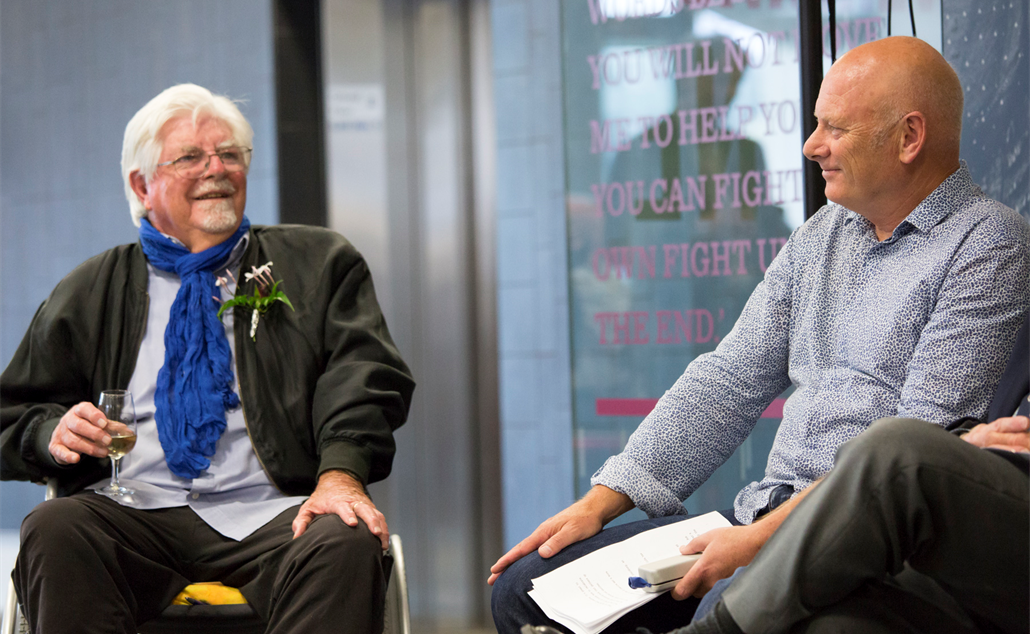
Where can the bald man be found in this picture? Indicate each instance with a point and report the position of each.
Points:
(900, 298)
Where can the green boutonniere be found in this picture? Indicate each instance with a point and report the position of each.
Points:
(266, 293)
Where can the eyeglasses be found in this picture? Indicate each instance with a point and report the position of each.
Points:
(195, 164)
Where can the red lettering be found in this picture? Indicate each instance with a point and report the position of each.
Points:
(646, 257)
(669, 251)
(683, 325)
(703, 315)
(724, 258)
(635, 209)
(639, 327)
(701, 271)
(659, 209)
(663, 327)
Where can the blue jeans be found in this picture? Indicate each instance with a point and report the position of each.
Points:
(512, 607)
(709, 600)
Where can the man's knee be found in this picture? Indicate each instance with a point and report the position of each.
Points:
(330, 542)
(893, 441)
(331, 529)
(52, 535)
(902, 430)
(510, 604)
(512, 584)
(56, 521)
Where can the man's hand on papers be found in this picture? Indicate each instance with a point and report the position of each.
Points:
(1011, 434)
(725, 550)
(590, 593)
(339, 493)
(583, 519)
(567, 527)
(81, 431)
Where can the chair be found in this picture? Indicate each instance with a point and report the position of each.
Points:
(234, 619)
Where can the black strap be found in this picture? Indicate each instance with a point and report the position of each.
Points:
(832, 6)
(911, 16)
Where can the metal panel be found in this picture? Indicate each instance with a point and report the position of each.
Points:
(404, 188)
(298, 83)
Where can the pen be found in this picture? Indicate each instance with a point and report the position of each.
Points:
(639, 582)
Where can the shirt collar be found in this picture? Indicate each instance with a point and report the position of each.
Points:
(942, 201)
(235, 256)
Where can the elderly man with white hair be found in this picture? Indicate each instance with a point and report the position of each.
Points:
(259, 421)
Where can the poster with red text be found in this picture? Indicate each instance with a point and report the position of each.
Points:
(683, 158)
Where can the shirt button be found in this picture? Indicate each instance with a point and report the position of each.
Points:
(194, 495)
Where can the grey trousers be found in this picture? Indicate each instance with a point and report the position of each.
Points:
(909, 514)
(88, 564)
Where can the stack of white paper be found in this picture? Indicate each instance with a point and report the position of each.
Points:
(591, 593)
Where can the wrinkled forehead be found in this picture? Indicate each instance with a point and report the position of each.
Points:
(852, 90)
(187, 132)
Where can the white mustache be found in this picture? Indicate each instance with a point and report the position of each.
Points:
(221, 186)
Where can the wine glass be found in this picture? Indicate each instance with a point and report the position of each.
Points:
(118, 409)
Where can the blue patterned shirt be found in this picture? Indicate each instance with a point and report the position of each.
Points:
(919, 325)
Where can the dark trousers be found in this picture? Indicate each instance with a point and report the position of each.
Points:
(908, 510)
(512, 607)
(89, 564)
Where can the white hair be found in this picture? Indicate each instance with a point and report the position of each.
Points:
(141, 147)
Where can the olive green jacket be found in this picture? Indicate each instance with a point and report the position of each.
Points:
(322, 387)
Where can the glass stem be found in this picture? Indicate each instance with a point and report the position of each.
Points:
(115, 465)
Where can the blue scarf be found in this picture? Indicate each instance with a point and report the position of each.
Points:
(194, 386)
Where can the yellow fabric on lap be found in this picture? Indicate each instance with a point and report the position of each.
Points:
(211, 593)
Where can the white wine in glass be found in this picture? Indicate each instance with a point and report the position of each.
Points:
(121, 445)
(120, 412)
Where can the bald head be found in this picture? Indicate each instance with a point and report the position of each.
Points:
(889, 119)
(905, 74)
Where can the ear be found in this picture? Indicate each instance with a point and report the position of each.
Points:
(913, 137)
(139, 185)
